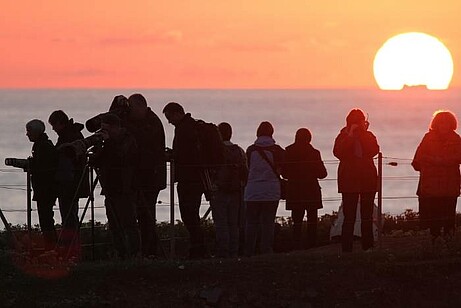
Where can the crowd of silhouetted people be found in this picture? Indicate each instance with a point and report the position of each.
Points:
(244, 187)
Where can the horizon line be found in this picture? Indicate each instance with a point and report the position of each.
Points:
(213, 89)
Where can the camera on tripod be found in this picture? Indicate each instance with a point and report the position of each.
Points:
(22, 163)
(80, 147)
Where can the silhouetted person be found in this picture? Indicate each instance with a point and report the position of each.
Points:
(262, 193)
(302, 169)
(355, 148)
(116, 164)
(43, 168)
(187, 174)
(72, 180)
(150, 177)
(228, 202)
(437, 159)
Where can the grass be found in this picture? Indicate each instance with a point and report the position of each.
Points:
(406, 271)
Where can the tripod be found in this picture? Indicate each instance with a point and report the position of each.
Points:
(7, 227)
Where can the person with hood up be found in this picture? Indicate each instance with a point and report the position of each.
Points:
(262, 192)
(355, 148)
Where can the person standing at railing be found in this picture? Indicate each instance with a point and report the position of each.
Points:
(150, 177)
(188, 175)
(355, 148)
(228, 202)
(72, 179)
(302, 169)
(43, 166)
(116, 163)
(263, 190)
(437, 159)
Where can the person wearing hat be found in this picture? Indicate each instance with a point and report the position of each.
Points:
(355, 148)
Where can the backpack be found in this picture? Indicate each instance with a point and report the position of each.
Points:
(232, 176)
(210, 145)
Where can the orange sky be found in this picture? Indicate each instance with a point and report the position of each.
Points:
(210, 44)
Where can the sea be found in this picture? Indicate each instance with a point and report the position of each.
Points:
(399, 119)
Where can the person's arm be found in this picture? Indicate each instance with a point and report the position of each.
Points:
(320, 170)
(344, 145)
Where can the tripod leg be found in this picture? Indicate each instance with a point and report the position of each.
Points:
(7, 227)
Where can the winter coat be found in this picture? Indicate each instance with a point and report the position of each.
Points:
(43, 166)
(356, 172)
(116, 163)
(263, 184)
(185, 151)
(71, 169)
(437, 158)
(303, 167)
(151, 164)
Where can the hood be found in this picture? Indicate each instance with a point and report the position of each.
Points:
(264, 141)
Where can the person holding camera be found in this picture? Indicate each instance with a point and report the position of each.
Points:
(43, 164)
(355, 148)
(72, 179)
(150, 179)
(116, 163)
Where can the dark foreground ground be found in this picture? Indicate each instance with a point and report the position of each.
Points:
(406, 272)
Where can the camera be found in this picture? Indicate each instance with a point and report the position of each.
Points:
(17, 163)
(118, 107)
(79, 148)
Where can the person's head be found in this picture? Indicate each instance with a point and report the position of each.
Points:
(443, 121)
(356, 116)
(111, 124)
(34, 129)
(226, 131)
(137, 106)
(303, 135)
(174, 113)
(58, 120)
(265, 129)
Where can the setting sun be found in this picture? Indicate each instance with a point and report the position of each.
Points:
(413, 59)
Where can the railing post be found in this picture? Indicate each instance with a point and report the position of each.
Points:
(172, 220)
(380, 198)
(29, 201)
(90, 170)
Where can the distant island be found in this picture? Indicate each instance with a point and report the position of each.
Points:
(415, 87)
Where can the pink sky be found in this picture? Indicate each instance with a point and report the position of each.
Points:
(210, 44)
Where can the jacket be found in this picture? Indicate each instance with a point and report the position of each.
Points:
(43, 166)
(303, 167)
(233, 175)
(437, 159)
(71, 169)
(185, 151)
(151, 164)
(356, 172)
(263, 184)
(116, 163)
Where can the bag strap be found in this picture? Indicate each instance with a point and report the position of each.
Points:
(264, 156)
